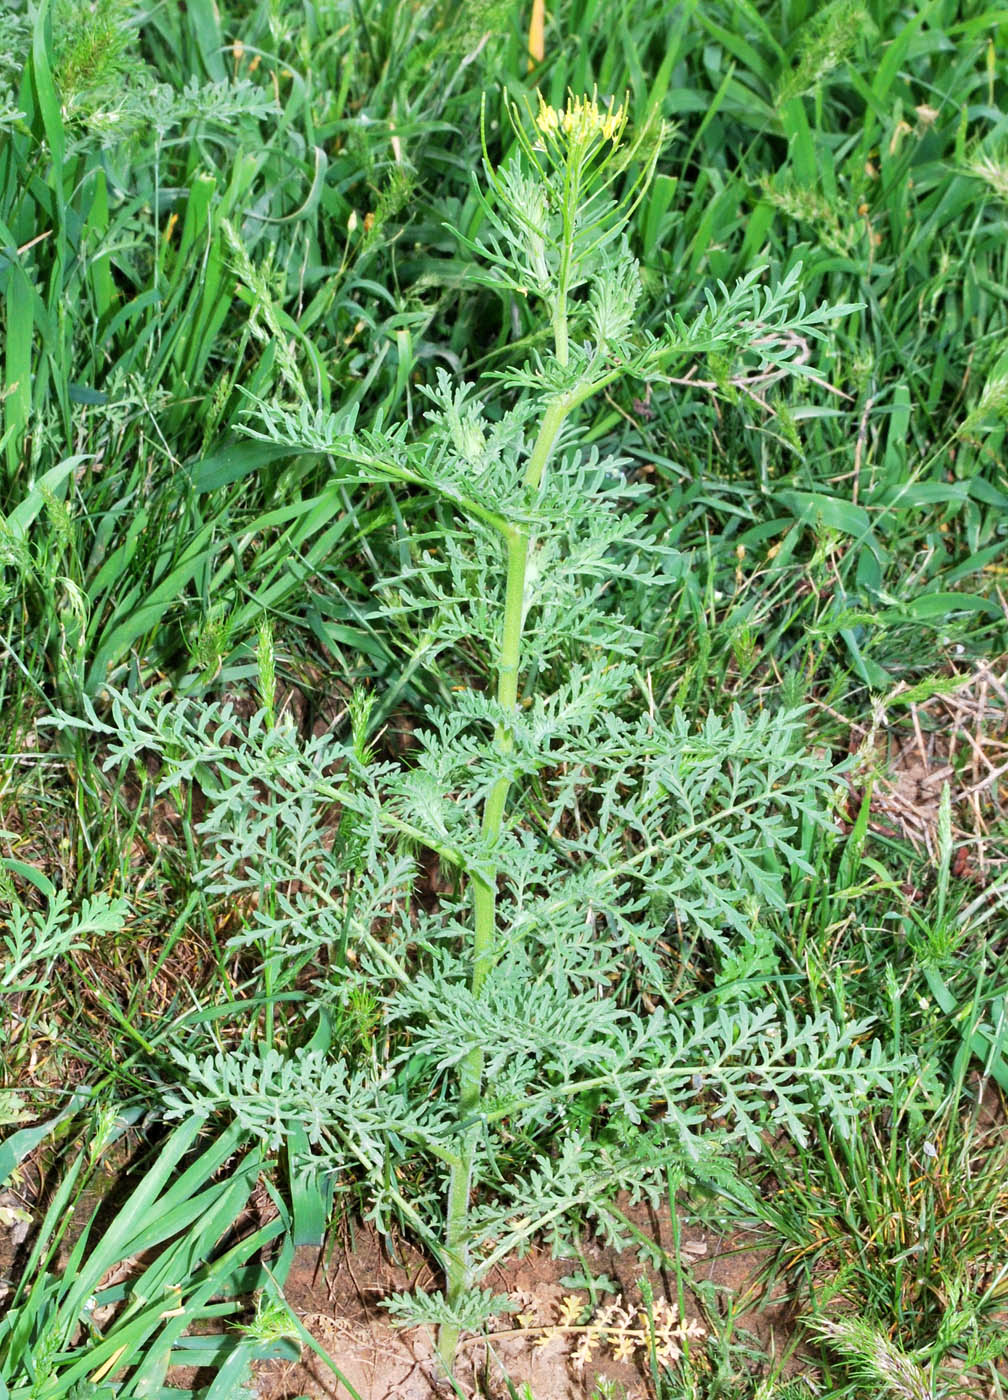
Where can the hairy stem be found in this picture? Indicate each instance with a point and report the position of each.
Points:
(459, 1272)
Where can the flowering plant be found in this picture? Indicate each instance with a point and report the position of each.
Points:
(520, 1052)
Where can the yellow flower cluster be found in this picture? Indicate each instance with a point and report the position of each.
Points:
(581, 120)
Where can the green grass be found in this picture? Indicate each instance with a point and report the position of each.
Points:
(204, 207)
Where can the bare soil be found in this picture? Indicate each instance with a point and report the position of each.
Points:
(339, 1301)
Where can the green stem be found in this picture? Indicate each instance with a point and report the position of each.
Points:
(571, 201)
(560, 331)
(459, 1271)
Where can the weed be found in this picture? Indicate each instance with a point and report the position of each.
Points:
(536, 1016)
(217, 217)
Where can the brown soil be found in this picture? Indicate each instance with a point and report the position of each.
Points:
(339, 1302)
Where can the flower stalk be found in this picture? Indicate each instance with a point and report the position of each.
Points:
(484, 889)
(509, 1003)
(576, 144)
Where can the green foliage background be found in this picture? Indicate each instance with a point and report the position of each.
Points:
(208, 208)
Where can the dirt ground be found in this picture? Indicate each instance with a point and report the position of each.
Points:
(556, 1343)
